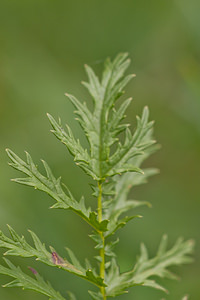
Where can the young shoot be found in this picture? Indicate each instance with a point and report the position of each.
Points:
(114, 162)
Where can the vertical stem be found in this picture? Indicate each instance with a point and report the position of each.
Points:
(102, 250)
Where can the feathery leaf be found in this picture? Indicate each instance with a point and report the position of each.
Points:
(27, 282)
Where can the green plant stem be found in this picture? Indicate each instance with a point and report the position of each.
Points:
(102, 250)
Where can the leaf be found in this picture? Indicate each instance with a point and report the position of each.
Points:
(117, 284)
(94, 86)
(109, 248)
(53, 187)
(102, 125)
(164, 259)
(116, 224)
(74, 260)
(27, 282)
(145, 268)
(120, 204)
(98, 240)
(19, 247)
(81, 156)
(122, 185)
(133, 146)
(94, 279)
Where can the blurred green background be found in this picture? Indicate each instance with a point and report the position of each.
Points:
(44, 45)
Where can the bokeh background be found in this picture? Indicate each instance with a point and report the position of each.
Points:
(44, 45)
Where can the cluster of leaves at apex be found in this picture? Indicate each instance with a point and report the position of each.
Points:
(115, 168)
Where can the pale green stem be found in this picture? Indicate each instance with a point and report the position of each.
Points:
(102, 251)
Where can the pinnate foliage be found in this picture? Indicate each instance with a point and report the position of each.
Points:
(113, 160)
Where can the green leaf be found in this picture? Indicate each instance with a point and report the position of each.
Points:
(133, 145)
(164, 259)
(17, 246)
(145, 268)
(109, 248)
(98, 240)
(102, 124)
(120, 204)
(94, 278)
(94, 86)
(116, 224)
(74, 260)
(122, 185)
(27, 282)
(81, 156)
(117, 284)
(53, 187)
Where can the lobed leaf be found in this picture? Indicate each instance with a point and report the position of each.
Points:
(17, 246)
(164, 259)
(53, 188)
(81, 156)
(120, 204)
(102, 124)
(27, 282)
(145, 268)
(117, 283)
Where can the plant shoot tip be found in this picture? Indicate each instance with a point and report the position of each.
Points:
(103, 162)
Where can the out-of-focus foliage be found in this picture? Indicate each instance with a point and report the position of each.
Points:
(43, 46)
